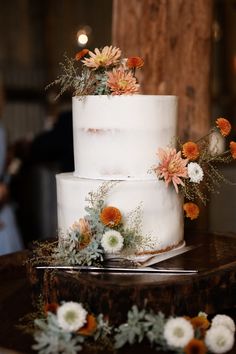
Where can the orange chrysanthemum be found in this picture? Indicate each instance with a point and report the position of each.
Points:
(195, 346)
(122, 82)
(134, 62)
(51, 307)
(110, 216)
(171, 167)
(191, 210)
(90, 327)
(232, 146)
(81, 54)
(190, 150)
(224, 126)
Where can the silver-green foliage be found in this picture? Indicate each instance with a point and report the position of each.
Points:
(51, 339)
(141, 325)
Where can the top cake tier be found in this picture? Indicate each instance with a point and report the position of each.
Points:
(116, 137)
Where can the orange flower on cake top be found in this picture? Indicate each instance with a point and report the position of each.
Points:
(81, 54)
(190, 150)
(171, 167)
(224, 126)
(121, 82)
(232, 146)
(134, 62)
(103, 58)
(191, 210)
(110, 216)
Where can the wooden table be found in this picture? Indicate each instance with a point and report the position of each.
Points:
(212, 289)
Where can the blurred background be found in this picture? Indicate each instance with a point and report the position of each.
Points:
(34, 36)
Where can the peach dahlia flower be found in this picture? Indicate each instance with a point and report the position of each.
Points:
(121, 82)
(171, 167)
(103, 58)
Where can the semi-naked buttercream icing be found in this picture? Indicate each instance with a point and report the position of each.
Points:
(116, 139)
(161, 207)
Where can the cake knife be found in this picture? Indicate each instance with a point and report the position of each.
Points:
(154, 259)
(115, 265)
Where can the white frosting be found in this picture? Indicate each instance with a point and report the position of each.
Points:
(162, 206)
(116, 137)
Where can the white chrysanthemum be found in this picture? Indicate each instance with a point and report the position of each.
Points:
(178, 332)
(219, 339)
(223, 320)
(112, 241)
(71, 316)
(195, 172)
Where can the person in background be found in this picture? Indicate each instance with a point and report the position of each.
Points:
(10, 239)
(56, 144)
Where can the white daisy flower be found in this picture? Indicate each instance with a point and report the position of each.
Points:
(112, 241)
(219, 339)
(195, 172)
(224, 321)
(178, 332)
(71, 316)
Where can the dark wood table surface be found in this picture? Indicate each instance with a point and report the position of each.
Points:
(212, 289)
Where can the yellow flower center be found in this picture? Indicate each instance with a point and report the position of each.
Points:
(178, 332)
(122, 84)
(101, 59)
(172, 167)
(70, 316)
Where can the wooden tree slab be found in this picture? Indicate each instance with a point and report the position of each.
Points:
(174, 38)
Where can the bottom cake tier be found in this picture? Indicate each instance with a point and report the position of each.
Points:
(161, 208)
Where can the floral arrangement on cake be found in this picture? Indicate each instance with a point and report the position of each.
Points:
(101, 232)
(68, 327)
(102, 72)
(193, 168)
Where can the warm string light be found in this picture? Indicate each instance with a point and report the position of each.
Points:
(83, 35)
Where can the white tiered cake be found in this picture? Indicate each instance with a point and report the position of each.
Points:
(116, 138)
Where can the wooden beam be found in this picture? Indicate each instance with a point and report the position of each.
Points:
(174, 38)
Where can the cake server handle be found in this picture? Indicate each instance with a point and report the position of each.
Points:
(164, 256)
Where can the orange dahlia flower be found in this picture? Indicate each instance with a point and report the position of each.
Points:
(121, 82)
(191, 210)
(90, 327)
(81, 54)
(195, 346)
(51, 307)
(190, 150)
(134, 62)
(232, 146)
(224, 126)
(110, 216)
(171, 167)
